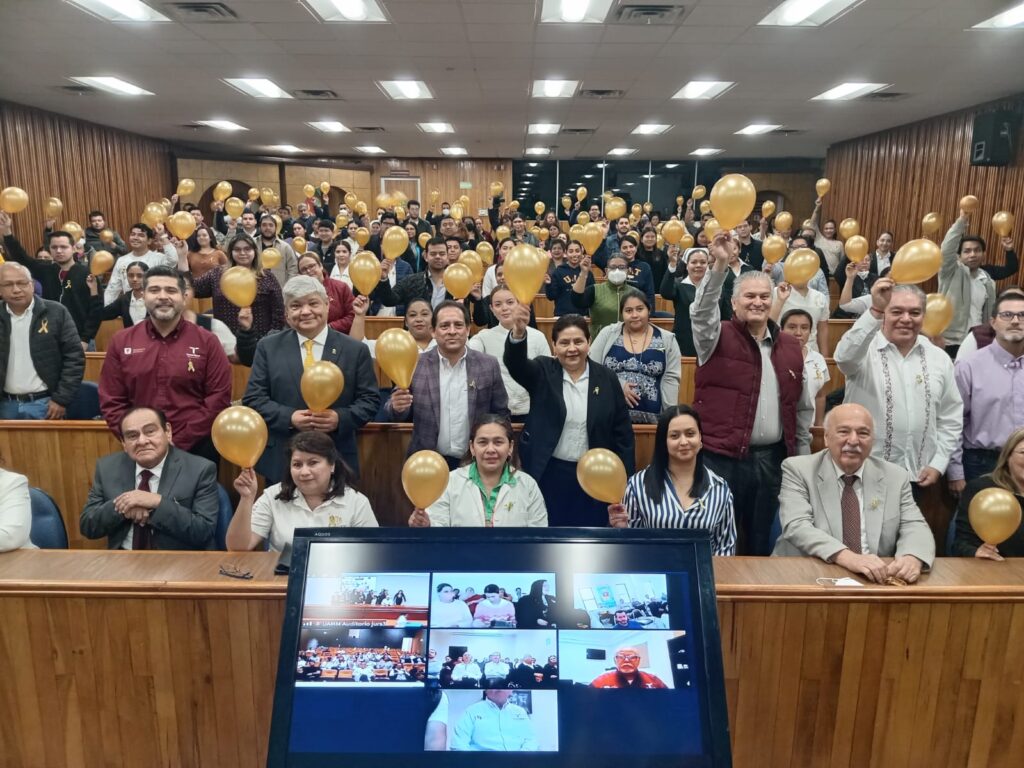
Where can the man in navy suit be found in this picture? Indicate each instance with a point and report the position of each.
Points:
(274, 385)
(453, 386)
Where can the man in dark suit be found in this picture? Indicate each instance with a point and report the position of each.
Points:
(274, 384)
(451, 388)
(152, 495)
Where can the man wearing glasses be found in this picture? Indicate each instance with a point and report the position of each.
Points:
(991, 383)
(627, 673)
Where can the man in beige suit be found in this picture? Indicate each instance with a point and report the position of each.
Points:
(850, 509)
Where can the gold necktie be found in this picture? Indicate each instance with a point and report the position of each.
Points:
(308, 344)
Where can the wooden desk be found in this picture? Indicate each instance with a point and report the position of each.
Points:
(152, 659)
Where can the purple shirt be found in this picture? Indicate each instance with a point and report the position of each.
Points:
(991, 383)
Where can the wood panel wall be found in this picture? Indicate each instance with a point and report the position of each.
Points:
(445, 176)
(87, 166)
(890, 180)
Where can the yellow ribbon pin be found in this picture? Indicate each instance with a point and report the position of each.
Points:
(44, 326)
(191, 368)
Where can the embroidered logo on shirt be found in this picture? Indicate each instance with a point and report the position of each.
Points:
(333, 521)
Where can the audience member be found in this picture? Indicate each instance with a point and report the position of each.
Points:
(129, 308)
(789, 297)
(798, 323)
(203, 253)
(601, 300)
(559, 288)
(1008, 474)
(339, 295)
(825, 239)
(447, 610)
(494, 611)
(682, 290)
(494, 724)
(287, 267)
(15, 511)
(94, 241)
(428, 284)
(537, 609)
(140, 237)
(627, 672)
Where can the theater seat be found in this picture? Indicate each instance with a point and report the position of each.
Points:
(224, 514)
(48, 531)
(86, 404)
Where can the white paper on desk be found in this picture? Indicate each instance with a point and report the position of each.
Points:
(846, 581)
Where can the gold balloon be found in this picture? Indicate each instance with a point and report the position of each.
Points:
(400, 213)
(607, 194)
(705, 206)
(341, 220)
(384, 200)
(101, 262)
(497, 188)
(270, 258)
(602, 475)
(486, 252)
(680, 200)
(660, 243)
(916, 262)
(222, 191)
(732, 199)
(458, 280)
(364, 270)
(321, 384)
(576, 232)
(1002, 223)
(673, 231)
(397, 354)
(994, 514)
(783, 221)
(476, 265)
(848, 228)
(800, 266)
(167, 204)
(767, 209)
(325, 187)
(279, 222)
(309, 190)
(581, 193)
(931, 223)
(362, 236)
(938, 314)
(360, 208)
(456, 211)
(253, 194)
(699, 192)
(107, 236)
(423, 239)
(711, 228)
(435, 195)
(583, 219)
(969, 203)
(238, 284)
(636, 210)
(181, 224)
(74, 229)
(186, 187)
(53, 208)
(351, 198)
(856, 248)
(399, 197)
(615, 208)
(502, 233)
(514, 205)
(535, 231)
(267, 195)
(239, 434)
(424, 478)
(464, 200)
(822, 187)
(13, 200)
(773, 249)
(525, 267)
(593, 236)
(686, 241)
(634, 234)
(538, 207)
(566, 202)
(648, 207)
(394, 242)
(299, 245)
(153, 214)
(543, 235)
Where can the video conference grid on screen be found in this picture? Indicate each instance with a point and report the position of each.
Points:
(496, 661)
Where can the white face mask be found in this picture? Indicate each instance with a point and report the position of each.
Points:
(616, 276)
(445, 211)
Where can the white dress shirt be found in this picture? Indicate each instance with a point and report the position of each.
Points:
(914, 400)
(815, 304)
(137, 309)
(154, 483)
(491, 341)
(453, 425)
(21, 378)
(341, 275)
(319, 342)
(858, 490)
(573, 442)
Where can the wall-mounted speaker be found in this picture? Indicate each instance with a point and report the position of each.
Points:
(994, 138)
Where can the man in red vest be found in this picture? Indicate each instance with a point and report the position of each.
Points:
(750, 393)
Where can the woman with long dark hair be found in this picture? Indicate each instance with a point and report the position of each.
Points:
(537, 609)
(203, 253)
(676, 490)
(316, 492)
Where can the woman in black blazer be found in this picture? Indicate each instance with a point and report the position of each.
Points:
(596, 417)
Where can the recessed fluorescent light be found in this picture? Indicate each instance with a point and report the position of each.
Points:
(222, 125)
(258, 87)
(405, 89)
(329, 126)
(703, 89)
(120, 10)
(574, 11)
(454, 151)
(706, 151)
(347, 10)
(112, 85)
(650, 129)
(755, 129)
(1014, 17)
(621, 151)
(533, 165)
(529, 174)
(554, 89)
(649, 176)
(544, 128)
(588, 175)
(602, 165)
(537, 151)
(630, 183)
(436, 127)
(370, 150)
(806, 13)
(286, 148)
(848, 91)
(671, 165)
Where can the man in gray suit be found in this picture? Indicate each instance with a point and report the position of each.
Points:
(453, 386)
(152, 495)
(850, 509)
(274, 388)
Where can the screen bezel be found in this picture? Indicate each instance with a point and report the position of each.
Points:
(713, 685)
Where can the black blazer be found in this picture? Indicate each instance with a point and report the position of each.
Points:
(608, 424)
(120, 308)
(274, 391)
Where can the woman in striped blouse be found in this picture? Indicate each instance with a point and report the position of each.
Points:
(677, 490)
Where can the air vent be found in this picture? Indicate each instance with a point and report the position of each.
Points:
(200, 12)
(193, 127)
(368, 129)
(577, 131)
(78, 90)
(648, 13)
(787, 132)
(884, 96)
(601, 93)
(316, 94)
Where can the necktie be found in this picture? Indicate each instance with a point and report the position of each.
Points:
(308, 344)
(142, 535)
(851, 515)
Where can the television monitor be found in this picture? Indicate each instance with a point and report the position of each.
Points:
(543, 647)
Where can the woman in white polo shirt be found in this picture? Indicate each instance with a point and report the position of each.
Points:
(314, 494)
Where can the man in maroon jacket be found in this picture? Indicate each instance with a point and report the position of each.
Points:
(750, 394)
